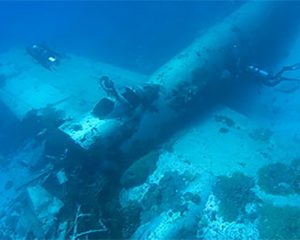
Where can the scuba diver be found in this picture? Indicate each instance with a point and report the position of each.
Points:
(270, 79)
(238, 66)
(126, 102)
(48, 58)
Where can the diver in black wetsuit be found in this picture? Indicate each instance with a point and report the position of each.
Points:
(270, 79)
(44, 55)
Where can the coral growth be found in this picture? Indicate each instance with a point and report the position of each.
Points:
(279, 222)
(261, 134)
(279, 178)
(167, 195)
(275, 179)
(234, 193)
(131, 219)
(225, 120)
(183, 95)
(213, 227)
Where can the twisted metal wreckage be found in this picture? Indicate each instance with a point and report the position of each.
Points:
(193, 79)
(133, 121)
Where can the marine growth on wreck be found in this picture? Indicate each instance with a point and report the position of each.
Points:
(149, 120)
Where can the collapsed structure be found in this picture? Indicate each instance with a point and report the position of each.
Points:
(85, 145)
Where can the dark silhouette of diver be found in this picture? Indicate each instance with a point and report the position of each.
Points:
(270, 79)
(45, 56)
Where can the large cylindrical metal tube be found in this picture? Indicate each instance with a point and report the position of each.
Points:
(203, 72)
(256, 33)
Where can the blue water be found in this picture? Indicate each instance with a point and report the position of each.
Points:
(142, 36)
(139, 35)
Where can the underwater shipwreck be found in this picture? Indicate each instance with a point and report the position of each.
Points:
(108, 153)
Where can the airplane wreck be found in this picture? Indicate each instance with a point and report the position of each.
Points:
(112, 153)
